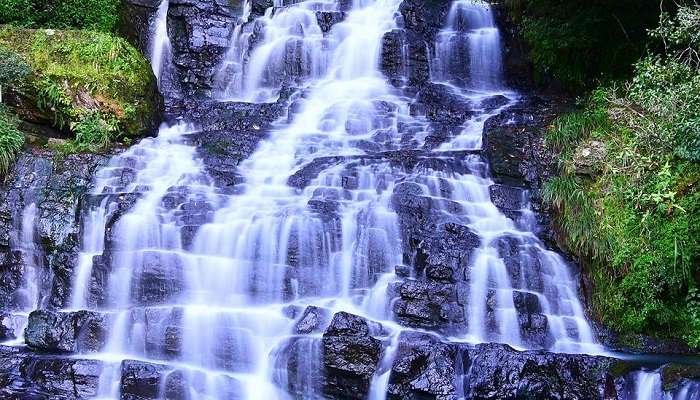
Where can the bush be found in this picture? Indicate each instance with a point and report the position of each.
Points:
(636, 219)
(582, 42)
(12, 68)
(11, 140)
(98, 15)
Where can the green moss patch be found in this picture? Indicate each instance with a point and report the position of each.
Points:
(95, 86)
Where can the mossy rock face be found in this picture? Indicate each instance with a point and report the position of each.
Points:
(90, 86)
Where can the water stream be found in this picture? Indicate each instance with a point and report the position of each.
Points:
(204, 280)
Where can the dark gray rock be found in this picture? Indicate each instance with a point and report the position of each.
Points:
(424, 368)
(141, 380)
(199, 31)
(27, 376)
(314, 320)
(56, 186)
(72, 332)
(499, 372)
(350, 357)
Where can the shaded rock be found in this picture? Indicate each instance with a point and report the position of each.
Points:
(423, 368)
(313, 320)
(80, 331)
(588, 157)
(141, 380)
(350, 357)
(499, 372)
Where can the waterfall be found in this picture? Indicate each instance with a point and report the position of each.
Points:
(648, 386)
(160, 42)
(470, 34)
(204, 279)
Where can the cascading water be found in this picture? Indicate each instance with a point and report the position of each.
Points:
(470, 35)
(28, 297)
(160, 44)
(205, 280)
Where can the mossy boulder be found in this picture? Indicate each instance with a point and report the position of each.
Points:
(91, 87)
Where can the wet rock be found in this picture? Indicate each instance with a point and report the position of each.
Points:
(135, 18)
(514, 145)
(10, 326)
(199, 32)
(350, 357)
(80, 331)
(158, 277)
(507, 197)
(421, 22)
(499, 372)
(163, 331)
(24, 375)
(423, 368)
(67, 377)
(441, 105)
(428, 305)
(313, 320)
(298, 366)
(141, 380)
(326, 19)
(258, 7)
(534, 326)
(55, 185)
(394, 58)
(403, 271)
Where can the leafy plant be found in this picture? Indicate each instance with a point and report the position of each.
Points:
(98, 15)
(12, 68)
(11, 140)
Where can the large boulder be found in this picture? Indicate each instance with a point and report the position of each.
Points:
(423, 367)
(71, 332)
(114, 94)
(28, 376)
(350, 357)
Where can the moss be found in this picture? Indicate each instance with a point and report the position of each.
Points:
(87, 82)
(673, 374)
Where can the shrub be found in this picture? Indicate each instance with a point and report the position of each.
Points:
(636, 220)
(11, 140)
(98, 15)
(12, 68)
(582, 42)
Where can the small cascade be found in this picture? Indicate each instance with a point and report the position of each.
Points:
(160, 43)
(32, 257)
(29, 296)
(285, 46)
(470, 34)
(648, 386)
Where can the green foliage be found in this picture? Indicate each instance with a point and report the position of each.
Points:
(11, 140)
(98, 15)
(94, 85)
(637, 219)
(581, 42)
(12, 67)
(94, 131)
